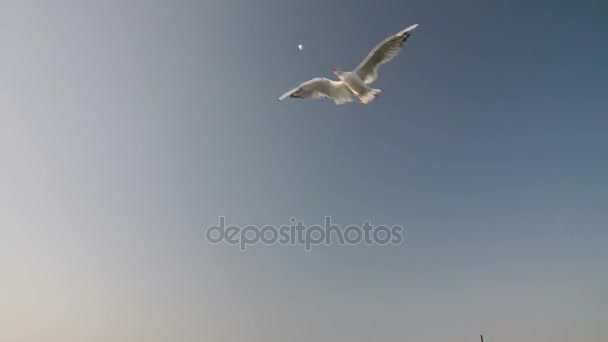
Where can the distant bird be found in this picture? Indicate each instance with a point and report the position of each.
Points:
(300, 47)
(354, 82)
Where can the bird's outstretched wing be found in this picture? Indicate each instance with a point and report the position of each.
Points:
(320, 87)
(381, 54)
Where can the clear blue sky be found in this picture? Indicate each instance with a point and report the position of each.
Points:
(128, 127)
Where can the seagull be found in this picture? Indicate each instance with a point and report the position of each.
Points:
(356, 82)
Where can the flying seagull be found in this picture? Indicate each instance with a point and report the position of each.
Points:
(354, 82)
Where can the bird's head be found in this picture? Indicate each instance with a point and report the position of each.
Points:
(337, 71)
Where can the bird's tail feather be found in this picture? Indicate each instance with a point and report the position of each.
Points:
(370, 96)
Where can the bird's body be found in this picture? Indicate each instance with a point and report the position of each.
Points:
(356, 82)
(357, 87)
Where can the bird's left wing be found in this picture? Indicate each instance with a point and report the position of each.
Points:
(381, 54)
(320, 87)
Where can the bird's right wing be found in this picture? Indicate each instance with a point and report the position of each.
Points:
(382, 53)
(320, 87)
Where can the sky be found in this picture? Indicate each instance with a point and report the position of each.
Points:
(128, 127)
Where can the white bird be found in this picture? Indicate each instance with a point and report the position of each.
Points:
(300, 47)
(354, 82)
